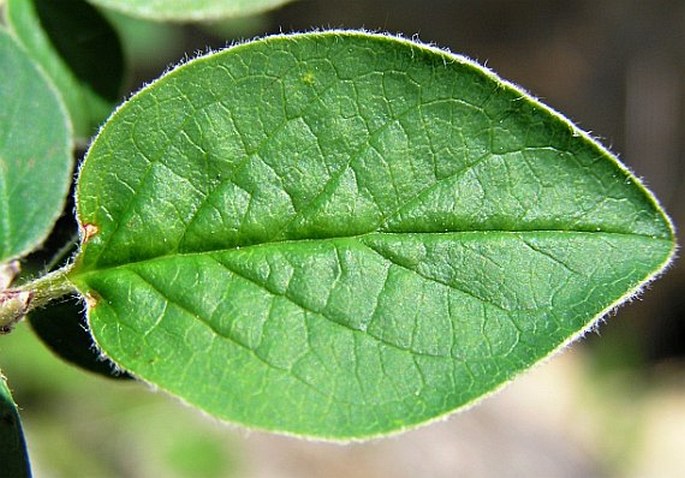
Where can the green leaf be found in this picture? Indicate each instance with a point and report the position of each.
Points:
(14, 459)
(342, 235)
(35, 152)
(189, 10)
(79, 50)
(148, 45)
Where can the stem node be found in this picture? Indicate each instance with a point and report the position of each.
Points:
(14, 304)
(17, 302)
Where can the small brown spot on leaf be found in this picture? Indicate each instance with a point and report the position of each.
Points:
(89, 230)
(92, 299)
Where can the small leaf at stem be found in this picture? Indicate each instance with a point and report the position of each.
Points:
(62, 327)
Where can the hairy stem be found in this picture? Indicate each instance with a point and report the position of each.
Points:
(15, 303)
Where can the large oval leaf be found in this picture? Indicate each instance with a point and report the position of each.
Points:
(189, 10)
(14, 458)
(35, 152)
(70, 39)
(342, 234)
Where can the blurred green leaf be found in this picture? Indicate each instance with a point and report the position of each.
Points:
(35, 152)
(148, 44)
(79, 50)
(14, 458)
(189, 10)
(343, 235)
(243, 27)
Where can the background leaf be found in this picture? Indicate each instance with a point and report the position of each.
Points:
(69, 39)
(14, 459)
(189, 10)
(63, 328)
(342, 235)
(35, 152)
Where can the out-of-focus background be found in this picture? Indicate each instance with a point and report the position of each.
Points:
(612, 405)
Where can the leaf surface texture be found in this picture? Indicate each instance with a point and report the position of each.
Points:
(341, 234)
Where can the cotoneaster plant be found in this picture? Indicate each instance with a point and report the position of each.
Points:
(336, 235)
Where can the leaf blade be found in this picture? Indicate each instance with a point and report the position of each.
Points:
(271, 249)
(35, 165)
(371, 324)
(90, 87)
